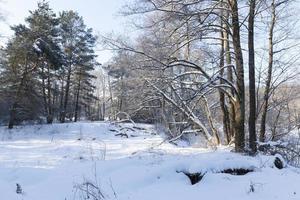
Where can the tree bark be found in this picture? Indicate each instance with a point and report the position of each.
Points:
(224, 109)
(251, 62)
(240, 103)
(231, 110)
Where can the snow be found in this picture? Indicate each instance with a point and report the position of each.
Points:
(51, 162)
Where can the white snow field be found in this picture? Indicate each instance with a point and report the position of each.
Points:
(85, 160)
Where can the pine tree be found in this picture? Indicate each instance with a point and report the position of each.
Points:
(44, 31)
(19, 76)
(78, 45)
(32, 56)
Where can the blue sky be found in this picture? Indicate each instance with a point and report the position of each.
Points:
(101, 15)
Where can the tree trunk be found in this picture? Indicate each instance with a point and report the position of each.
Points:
(252, 99)
(61, 100)
(262, 135)
(77, 101)
(224, 109)
(50, 108)
(211, 123)
(63, 113)
(12, 116)
(240, 103)
(231, 110)
(44, 91)
(103, 101)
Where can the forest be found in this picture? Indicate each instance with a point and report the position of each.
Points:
(224, 70)
(46, 68)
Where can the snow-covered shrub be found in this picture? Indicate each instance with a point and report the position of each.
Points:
(289, 151)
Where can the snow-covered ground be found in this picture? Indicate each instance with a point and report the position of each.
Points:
(64, 161)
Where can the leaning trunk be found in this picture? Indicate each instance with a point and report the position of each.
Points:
(262, 136)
